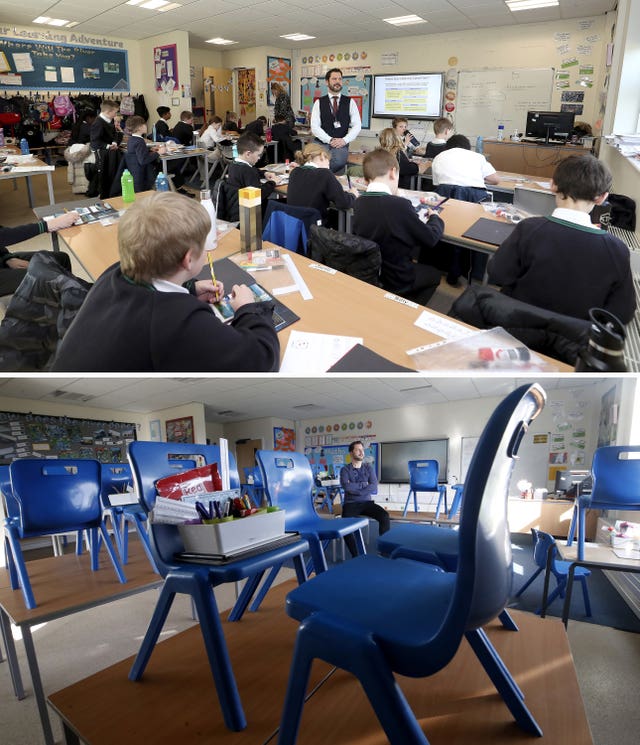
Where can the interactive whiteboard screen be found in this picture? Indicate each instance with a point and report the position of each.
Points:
(395, 457)
(414, 95)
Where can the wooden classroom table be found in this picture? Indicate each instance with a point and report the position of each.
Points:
(32, 167)
(596, 556)
(176, 701)
(339, 302)
(182, 154)
(536, 159)
(63, 585)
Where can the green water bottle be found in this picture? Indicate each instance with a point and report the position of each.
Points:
(128, 192)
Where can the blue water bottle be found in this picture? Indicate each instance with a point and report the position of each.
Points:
(479, 145)
(234, 151)
(162, 182)
(24, 146)
(128, 191)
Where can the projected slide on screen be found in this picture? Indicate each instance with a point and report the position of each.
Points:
(416, 96)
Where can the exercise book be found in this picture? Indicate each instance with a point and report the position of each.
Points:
(489, 231)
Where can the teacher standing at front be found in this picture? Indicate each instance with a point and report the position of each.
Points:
(335, 121)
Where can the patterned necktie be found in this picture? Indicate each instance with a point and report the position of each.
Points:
(334, 103)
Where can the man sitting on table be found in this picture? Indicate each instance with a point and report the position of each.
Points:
(564, 263)
(458, 165)
(394, 225)
(147, 314)
(335, 120)
(359, 483)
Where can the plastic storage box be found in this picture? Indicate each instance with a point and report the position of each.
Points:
(235, 535)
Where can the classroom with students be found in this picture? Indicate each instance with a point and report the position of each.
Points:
(466, 178)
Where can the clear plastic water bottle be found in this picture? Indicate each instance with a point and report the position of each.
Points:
(24, 146)
(234, 151)
(212, 238)
(128, 191)
(479, 145)
(501, 131)
(162, 182)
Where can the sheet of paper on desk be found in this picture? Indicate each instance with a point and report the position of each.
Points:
(308, 352)
(544, 184)
(441, 326)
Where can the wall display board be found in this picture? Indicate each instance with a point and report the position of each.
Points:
(395, 457)
(38, 436)
(487, 98)
(62, 67)
(356, 87)
(331, 458)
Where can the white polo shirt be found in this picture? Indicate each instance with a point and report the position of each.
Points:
(460, 167)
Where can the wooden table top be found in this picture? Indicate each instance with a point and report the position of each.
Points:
(456, 706)
(65, 584)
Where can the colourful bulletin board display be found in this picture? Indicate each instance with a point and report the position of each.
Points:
(331, 458)
(352, 86)
(62, 67)
(278, 71)
(165, 68)
(284, 439)
(37, 436)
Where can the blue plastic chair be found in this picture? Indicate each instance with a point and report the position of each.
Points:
(616, 486)
(423, 476)
(458, 492)
(288, 226)
(289, 483)
(414, 625)
(50, 497)
(255, 490)
(542, 544)
(116, 477)
(151, 461)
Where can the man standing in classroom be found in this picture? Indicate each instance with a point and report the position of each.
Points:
(335, 121)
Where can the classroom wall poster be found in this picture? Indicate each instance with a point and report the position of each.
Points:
(278, 71)
(284, 439)
(247, 92)
(180, 430)
(165, 61)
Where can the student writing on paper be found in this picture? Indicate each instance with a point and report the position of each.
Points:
(146, 314)
(359, 483)
(243, 171)
(392, 222)
(564, 263)
(458, 165)
(313, 184)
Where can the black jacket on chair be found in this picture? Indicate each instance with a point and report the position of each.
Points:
(553, 334)
(351, 254)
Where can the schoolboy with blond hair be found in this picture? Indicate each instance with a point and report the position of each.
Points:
(147, 314)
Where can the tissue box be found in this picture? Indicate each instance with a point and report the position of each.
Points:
(232, 536)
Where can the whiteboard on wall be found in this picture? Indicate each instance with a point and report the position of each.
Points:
(466, 452)
(487, 98)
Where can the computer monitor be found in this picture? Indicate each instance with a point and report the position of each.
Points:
(548, 125)
(566, 479)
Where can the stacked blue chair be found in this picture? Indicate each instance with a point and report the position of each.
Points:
(116, 477)
(542, 544)
(616, 486)
(423, 476)
(289, 482)
(458, 492)
(50, 497)
(416, 625)
(151, 461)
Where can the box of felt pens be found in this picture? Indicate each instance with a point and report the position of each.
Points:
(228, 535)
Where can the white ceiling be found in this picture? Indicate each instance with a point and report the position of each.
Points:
(240, 399)
(260, 22)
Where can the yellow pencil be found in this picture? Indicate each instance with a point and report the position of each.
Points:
(213, 274)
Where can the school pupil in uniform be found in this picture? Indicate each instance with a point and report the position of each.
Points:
(562, 262)
(283, 132)
(81, 130)
(458, 165)
(141, 160)
(390, 142)
(400, 126)
(183, 131)
(243, 172)
(257, 126)
(392, 222)
(147, 314)
(105, 132)
(442, 129)
(210, 138)
(231, 122)
(161, 127)
(313, 184)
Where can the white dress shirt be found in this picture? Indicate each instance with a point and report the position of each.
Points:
(461, 167)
